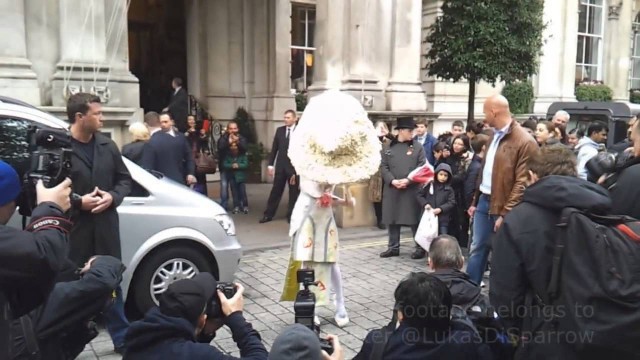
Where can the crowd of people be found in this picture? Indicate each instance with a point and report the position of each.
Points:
(497, 184)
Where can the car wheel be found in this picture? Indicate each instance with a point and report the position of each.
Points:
(163, 267)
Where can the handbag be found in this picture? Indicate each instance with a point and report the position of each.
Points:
(205, 163)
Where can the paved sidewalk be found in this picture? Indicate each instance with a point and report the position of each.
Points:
(255, 236)
(369, 282)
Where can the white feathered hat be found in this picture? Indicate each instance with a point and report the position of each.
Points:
(335, 142)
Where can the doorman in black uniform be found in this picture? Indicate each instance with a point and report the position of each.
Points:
(281, 170)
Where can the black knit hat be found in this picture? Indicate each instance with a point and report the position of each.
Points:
(188, 298)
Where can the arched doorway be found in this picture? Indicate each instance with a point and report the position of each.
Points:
(157, 48)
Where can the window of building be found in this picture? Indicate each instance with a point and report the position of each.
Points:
(303, 23)
(635, 56)
(590, 47)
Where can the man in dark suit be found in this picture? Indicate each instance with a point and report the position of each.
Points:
(283, 173)
(168, 151)
(98, 173)
(178, 105)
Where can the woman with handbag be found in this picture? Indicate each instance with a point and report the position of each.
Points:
(197, 139)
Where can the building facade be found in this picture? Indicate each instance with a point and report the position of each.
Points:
(264, 55)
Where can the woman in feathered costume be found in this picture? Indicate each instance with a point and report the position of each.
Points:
(334, 143)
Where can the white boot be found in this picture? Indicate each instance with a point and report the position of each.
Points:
(341, 318)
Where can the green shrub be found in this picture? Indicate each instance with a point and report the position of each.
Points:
(634, 96)
(301, 101)
(246, 125)
(520, 96)
(598, 92)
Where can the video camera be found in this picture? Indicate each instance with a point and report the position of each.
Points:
(305, 306)
(609, 164)
(50, 162)
(214, 309)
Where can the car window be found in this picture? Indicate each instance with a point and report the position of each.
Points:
(138, 190)
(14, 145)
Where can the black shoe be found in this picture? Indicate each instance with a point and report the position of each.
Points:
(389, 253)
(419, 254)
(382, 226)
(265, 219)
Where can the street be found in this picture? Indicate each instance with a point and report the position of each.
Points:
(369, 283)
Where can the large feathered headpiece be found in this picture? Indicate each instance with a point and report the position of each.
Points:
(335, 142)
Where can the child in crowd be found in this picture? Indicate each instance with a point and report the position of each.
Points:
(235, 166)
(439, 197)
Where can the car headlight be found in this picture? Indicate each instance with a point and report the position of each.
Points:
(227, 224)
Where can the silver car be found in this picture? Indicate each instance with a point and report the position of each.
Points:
(168, 231)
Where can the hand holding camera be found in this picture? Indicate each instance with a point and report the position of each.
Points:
(332, 343)
(233, 304)
(59, 195)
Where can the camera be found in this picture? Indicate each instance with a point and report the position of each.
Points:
(50, 162)
(305, 306)
(214, 309)
(605, 163)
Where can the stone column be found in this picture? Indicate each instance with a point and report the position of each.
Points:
(225, 57)
(617, 49)
(123, 85)
(281, 98)
(368, 26)
(17, 78)
(405, 87)
(329, 38)
(196, 47)
(555, 80)
(83, 51)
(43, 49)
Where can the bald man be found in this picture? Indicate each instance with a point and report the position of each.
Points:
(502, 182)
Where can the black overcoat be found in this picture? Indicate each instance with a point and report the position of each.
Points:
(400, 206)
(98, 234)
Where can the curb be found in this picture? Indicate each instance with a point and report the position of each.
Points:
(368, 235)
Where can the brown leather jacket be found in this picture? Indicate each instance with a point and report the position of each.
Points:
(510, 171)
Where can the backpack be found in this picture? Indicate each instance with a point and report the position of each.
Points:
(594, 288)
(482, 318)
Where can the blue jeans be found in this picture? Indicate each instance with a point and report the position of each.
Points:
(483, 224)
(224, 189)
(115, 320)
(443, 229)
(239, 191)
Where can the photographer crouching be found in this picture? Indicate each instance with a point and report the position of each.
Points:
(62, 327)
(29, 259)
(190, 312)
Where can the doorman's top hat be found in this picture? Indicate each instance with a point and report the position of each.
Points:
(406, 122)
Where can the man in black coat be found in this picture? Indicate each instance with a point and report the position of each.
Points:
(29, 259)
(628, 142)
(168, 151)
(523, 254)
(446, 261)
(424, 329)
(626, 192)
(63, 325)
(178, 105)
(283, 173)
(101, 177)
